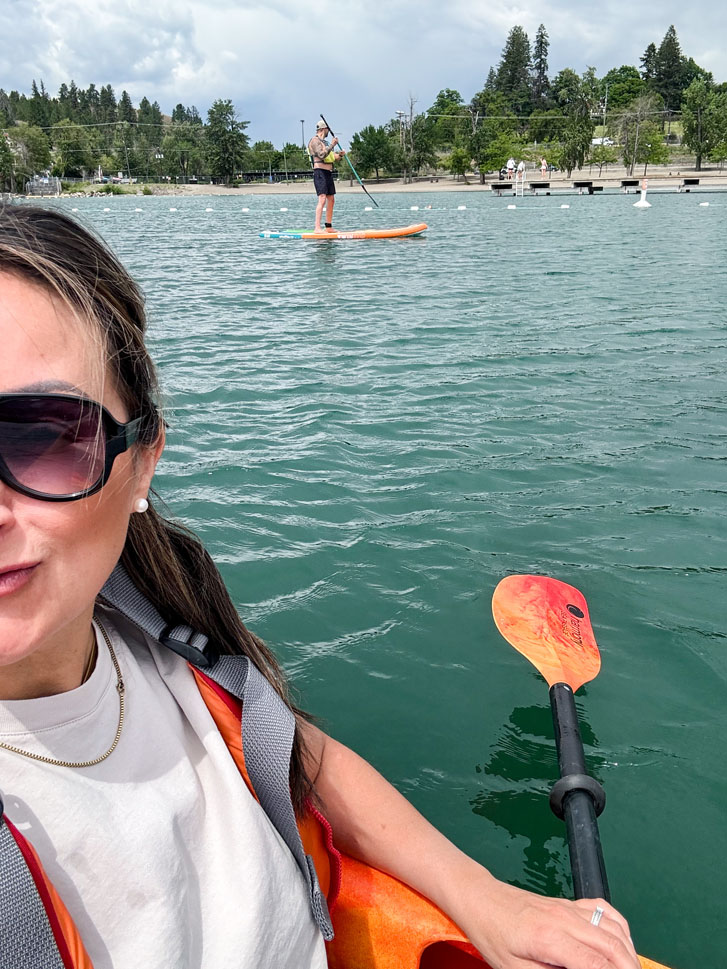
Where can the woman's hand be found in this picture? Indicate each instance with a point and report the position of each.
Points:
(515, 929)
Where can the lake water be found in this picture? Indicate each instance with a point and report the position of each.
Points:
(369, 436)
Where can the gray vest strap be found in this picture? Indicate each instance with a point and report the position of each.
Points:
(268, 724)
(26, 938)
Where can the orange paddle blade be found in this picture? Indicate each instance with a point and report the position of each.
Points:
(547, 621)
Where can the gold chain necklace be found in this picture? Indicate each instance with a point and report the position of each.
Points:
(112, 748)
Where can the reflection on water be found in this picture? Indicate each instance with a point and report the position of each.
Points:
(515, 785)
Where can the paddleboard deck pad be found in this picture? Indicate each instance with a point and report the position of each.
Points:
(400, 233)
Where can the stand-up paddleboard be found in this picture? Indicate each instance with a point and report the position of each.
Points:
(400, 233)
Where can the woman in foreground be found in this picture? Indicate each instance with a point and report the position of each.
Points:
(115, 765)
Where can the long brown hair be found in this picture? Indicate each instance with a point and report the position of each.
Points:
(166, 561)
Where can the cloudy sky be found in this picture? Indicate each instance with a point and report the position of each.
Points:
(358, 61)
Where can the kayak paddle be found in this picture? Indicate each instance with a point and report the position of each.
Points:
(547, 621)
(351, 166)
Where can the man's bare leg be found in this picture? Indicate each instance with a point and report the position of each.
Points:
(319, 212)
(330, 199)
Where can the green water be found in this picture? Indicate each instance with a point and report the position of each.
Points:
(370, 435)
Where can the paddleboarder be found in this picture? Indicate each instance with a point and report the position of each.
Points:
(125, 672)
(324, 156)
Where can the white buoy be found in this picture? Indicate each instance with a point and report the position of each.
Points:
(512, 206)
(642, 203)
(702, 205)
(246, 210)
(283, 209)
(107, 210)
(74, 210)
(565, 206)
(368, 208)
(413, 208)
(209, 210)
(461, 208)
(137, 210)
(172, 210)
(427, 206)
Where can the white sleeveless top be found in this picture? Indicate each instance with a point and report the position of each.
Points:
(160, 853)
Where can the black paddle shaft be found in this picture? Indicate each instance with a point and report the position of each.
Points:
(577, 798)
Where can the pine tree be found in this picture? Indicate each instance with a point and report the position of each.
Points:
(541, 83)
(125, 109)
(648, 64)
(513, 72)
(668, 74)
(226, 139)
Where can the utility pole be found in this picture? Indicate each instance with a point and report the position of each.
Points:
(302, 133)
(605, 108)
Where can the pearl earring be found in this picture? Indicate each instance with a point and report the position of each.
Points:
(141, 505)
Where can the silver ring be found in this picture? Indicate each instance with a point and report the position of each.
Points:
(597, 915)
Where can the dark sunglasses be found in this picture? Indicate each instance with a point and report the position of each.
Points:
(59, 448)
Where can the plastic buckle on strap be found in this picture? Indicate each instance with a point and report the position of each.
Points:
(193, 655)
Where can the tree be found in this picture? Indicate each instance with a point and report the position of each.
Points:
(579, 96)
(72, 149)
(566, 88)
(33, 149)
(602, 155)
(446, 114)
(492, 154)
(704, 119)
(7, 164)
(540, 81)
(547, 126)
(262, 157)
(648, 65)
(624, 84)
(183, 150)
(630, 123)
(459, 162)
(652, 149)
(514, 72)
(668, 70)
(372, 150)
(125, 109)
(226, 139)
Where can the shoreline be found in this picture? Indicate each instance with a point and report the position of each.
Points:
(658, 180)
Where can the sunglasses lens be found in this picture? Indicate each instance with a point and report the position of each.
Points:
(51, 445)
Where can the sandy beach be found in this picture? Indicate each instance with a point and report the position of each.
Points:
(670, 178)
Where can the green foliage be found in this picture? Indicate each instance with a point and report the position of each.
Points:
(226, 139)
(263, 157)
(704, 119)
(540, 80)
(459, 162)
(635, 127)
(602, 155)
(72, 149)
(625, 84)
(448, 117)
(146, 191)
(492, 154)
(513, 78)
(668, 70)
(7, 163)
(32, 150)
(373, 150)
(547, 126)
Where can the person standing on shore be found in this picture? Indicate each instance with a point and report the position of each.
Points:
(324, 156)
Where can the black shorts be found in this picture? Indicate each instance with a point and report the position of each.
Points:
(323, 182)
